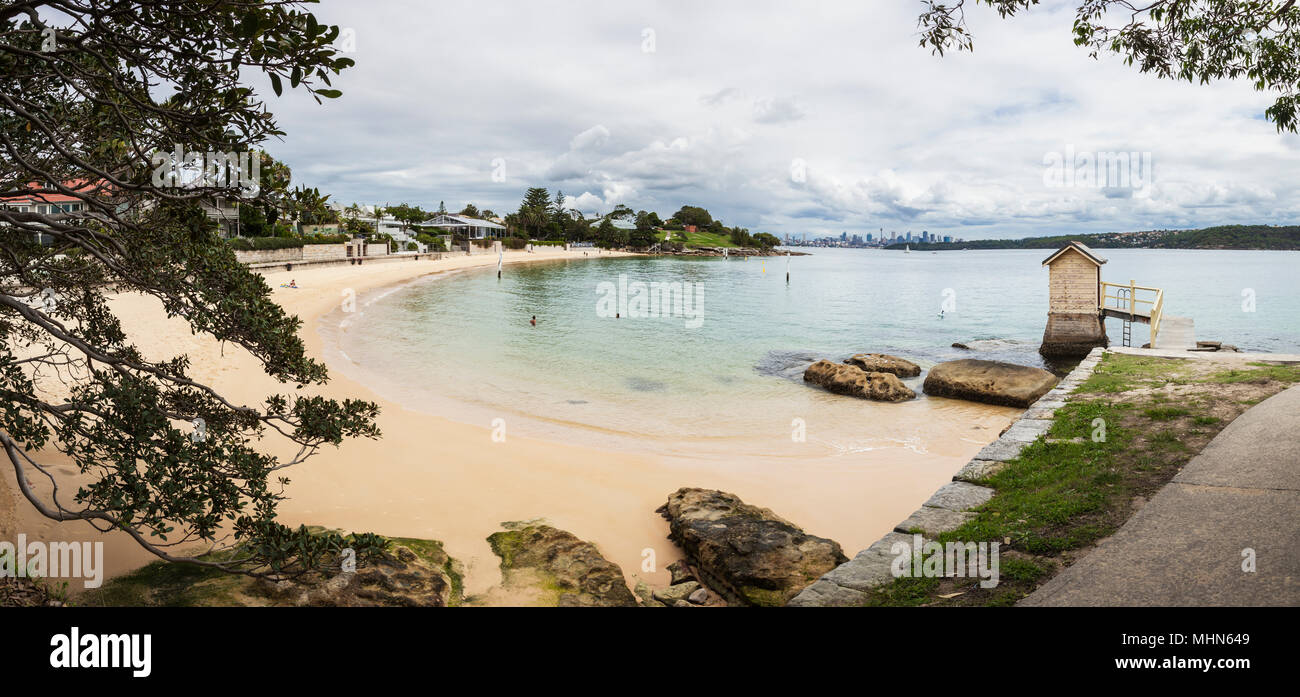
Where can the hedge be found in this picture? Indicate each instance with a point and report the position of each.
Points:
(245, 244)
(261, 243)
(327, 239)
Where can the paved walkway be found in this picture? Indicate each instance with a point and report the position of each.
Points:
(1185, 546)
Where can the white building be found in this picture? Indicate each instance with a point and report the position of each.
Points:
(471, 228)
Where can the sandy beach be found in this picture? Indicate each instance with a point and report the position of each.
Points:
(431, 477)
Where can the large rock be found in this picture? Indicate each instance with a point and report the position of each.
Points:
(747, 553)
(399, 578)
(992, 382)
(851, 380)
(884, 363)
(560, 568)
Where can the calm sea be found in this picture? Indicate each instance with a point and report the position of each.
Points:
(727, 379)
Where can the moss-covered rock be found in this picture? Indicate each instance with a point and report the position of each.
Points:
(542, 565)
(412, 573)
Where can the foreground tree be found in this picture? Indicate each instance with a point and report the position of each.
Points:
(89, 91)
(1193, 40)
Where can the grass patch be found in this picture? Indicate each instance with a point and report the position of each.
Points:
(1165, 413)
(1122, 372)
(1258, 372)
(702, 239)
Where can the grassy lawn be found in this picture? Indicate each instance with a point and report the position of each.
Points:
(1125, 432)
(702, 239)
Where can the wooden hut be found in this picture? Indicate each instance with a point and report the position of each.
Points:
(1074, 321)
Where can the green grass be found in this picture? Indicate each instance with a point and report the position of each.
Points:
(1259, 372)
(1118, 373)
(703, 239)
(1165, 413)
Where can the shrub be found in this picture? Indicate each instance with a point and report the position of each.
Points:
(327, 239)
(514, 243)
(263, 243)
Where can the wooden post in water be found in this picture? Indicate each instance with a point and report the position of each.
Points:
(1074, 316)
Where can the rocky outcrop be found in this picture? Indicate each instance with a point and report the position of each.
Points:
(992, 382)
(562, 569)
(401, 578)
(747, 553)
(410, 573)
(851, 380)
(25, 592)
(884, 363)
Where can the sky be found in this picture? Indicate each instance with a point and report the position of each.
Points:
(811, 117)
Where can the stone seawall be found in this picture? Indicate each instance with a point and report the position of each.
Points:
(849, 583)
(341, 261)
(305, 253)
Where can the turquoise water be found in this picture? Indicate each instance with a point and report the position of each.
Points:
(729, 377)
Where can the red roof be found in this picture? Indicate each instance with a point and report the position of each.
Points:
(78, 185)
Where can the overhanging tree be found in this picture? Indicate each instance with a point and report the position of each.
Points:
(88, 91)
(1193, 40)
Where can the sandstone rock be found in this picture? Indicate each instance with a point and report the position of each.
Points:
(884, 363)
(992, 382)
(699, 597)
(681, 591)
(572, 571)
(748, 554)
(401, 578)
(851, 380)
(645, 596)
(959, 345)
(681, 572)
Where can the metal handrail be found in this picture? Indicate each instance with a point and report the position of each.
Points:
(1125, 297)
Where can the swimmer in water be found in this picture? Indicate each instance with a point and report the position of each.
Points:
(533, 321)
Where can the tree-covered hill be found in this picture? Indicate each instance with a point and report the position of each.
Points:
(1221, 237)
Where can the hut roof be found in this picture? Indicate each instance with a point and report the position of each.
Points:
(1078, 247)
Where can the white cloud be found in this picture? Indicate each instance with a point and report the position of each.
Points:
(777, 110)
(892, 136)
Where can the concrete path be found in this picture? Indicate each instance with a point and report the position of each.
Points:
(1175, 333)
(1186, 545)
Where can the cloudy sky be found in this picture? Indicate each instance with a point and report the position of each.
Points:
(786, 117)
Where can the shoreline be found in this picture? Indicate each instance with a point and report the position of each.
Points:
(433, 478)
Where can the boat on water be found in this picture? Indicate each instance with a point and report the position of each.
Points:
(907, 249)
